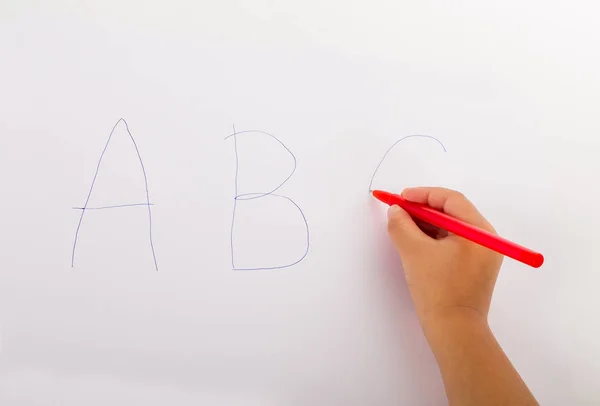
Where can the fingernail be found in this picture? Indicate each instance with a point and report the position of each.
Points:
(393, 210)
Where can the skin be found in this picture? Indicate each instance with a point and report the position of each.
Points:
(451, 281)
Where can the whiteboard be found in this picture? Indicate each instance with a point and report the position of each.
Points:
(316, 91)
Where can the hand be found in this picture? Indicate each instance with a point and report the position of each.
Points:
(451, 281)
(447, 275)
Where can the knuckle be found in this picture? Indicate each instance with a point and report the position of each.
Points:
(458, 195)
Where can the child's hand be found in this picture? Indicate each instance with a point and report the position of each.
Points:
(451, 281)
(446, 274)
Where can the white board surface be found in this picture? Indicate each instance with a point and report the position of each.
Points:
(511, 89)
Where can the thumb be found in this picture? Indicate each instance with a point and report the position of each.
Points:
(403, 231)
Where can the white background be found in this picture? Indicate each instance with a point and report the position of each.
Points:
(511, 88)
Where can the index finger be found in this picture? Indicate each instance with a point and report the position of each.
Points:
(450, 202)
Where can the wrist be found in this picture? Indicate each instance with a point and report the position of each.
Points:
(453, 323)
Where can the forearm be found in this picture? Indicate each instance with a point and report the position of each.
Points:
(474, 368)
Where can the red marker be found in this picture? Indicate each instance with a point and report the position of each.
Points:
(465, 230)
